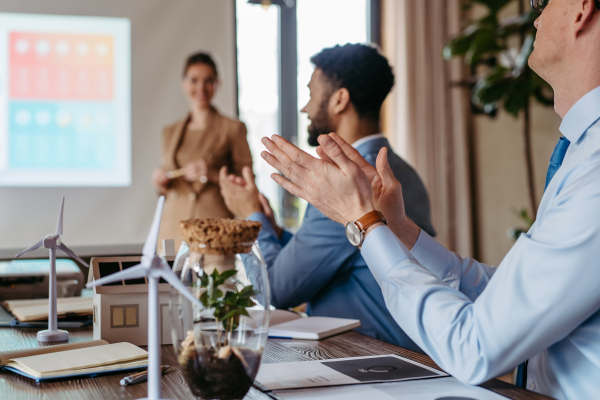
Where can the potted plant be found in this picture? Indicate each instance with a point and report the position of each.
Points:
(219, 345)
(497, 52)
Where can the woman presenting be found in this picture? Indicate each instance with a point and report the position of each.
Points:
(193, 151)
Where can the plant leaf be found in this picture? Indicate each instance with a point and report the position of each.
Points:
(518, 97)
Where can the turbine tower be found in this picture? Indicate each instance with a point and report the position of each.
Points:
(152, 267)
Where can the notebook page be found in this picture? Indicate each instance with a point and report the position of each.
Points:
(6, 356)
(93, 370)
(80, 358)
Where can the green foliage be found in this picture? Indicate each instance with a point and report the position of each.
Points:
(228, 305)
(502, 75)
(523, 214)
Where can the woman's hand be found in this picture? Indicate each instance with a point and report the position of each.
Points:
(160, 180)
(195, 170)
(336, 186)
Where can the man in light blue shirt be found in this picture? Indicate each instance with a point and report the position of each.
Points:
(542, 303)
(318, 265)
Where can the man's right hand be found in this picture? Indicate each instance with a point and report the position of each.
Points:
(387, 191)
(160, 179)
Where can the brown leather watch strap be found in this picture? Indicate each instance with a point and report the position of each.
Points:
(370, 219)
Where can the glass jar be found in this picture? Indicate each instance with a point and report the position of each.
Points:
(219, 346)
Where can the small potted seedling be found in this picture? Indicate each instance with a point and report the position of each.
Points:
(220, 345)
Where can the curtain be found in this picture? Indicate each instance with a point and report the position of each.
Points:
(427, 118)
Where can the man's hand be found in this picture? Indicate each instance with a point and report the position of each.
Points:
(387, 191)
(268, 211)
(336, 186)
(240, 194)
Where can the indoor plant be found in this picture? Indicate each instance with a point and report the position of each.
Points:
(219, 345)
(497, 50)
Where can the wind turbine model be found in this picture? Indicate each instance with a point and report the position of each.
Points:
(153, 267)
(53, 242)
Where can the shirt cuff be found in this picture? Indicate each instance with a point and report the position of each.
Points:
(382, 251)
(266, 224)
(432, 255)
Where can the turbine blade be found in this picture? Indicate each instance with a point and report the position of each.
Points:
(135, 272)
(59, 224)
(32, 248)
(71, 254)
(169, 276)
(150, 245)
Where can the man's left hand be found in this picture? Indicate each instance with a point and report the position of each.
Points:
(240, 193)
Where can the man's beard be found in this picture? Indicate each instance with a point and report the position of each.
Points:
(320, 125)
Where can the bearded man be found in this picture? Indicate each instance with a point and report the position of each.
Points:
(317, 265)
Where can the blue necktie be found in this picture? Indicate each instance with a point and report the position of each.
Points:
(557, 158)
(556, 161)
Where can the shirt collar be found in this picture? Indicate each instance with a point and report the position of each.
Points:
(581, 116)
(367, 139)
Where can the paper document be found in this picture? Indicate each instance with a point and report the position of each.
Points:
(431, 389)
(343, 371)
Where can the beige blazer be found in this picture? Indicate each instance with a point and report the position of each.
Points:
(223, 142)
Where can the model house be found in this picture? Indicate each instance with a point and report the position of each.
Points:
(121, 308)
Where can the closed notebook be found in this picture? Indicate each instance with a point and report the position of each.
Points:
(35, 310)
(313, 328)
(74, 359)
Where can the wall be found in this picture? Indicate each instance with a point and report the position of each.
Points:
(164, 32)
(501, 184)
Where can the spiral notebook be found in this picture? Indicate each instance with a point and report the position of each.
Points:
(83, 359)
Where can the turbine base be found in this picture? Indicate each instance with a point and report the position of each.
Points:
(52, 336)
(152, 398)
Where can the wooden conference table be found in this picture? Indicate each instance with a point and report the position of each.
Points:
(352, 344)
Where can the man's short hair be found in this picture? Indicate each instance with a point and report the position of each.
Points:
(362, 70)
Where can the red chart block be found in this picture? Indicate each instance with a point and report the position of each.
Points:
(48, 66)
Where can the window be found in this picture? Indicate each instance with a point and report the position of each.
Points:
(274, 47)
(124, 316)
(258, 83)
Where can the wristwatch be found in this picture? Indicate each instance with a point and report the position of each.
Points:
(355, 231)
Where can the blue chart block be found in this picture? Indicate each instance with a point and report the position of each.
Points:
(61, 135)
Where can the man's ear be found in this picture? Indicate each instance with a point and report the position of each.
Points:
(340, 100)
(583, 17)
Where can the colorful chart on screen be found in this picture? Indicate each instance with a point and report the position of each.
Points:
(64, 101)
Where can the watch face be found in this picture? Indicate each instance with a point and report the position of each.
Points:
(353, 234)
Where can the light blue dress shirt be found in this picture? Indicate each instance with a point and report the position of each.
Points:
(542, 303)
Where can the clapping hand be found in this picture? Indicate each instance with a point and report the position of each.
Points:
(240, 193)
(343, 185)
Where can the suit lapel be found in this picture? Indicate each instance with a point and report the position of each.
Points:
(175, 141)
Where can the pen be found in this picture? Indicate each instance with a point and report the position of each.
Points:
(140, 376)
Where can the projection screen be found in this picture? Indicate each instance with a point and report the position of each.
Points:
(108, 133)
(65, 93)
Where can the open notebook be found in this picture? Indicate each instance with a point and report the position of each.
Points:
(74, 359)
